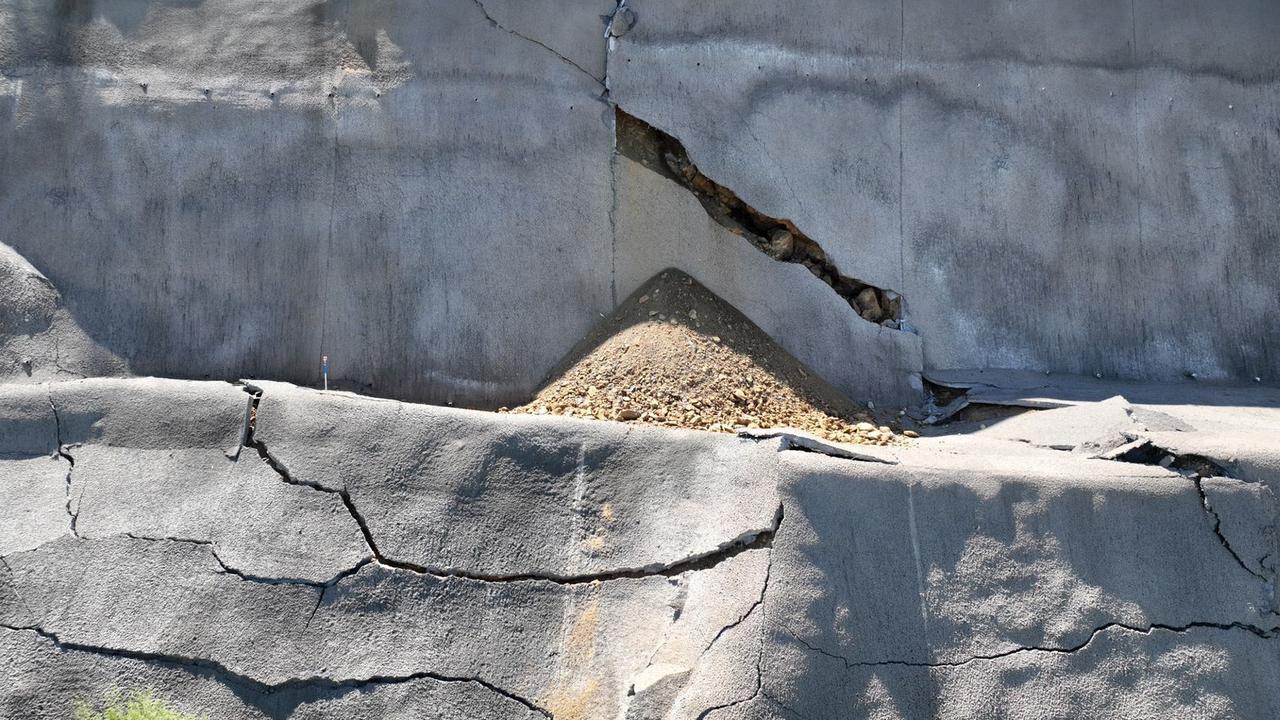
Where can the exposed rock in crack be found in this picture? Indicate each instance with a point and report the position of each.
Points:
(751, 540)
(293, 685)
(778, 238)
(619, 22)
(1195, 468)
(1266, 633)
(71, 462)
(535, 41)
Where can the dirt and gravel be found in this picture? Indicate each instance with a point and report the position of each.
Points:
(675, 354)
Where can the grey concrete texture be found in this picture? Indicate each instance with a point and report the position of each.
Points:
(161, 459)
(979, 576)
(408, 188)
(230, 188)
(1078, 188)
(453, 491)
(39, 337)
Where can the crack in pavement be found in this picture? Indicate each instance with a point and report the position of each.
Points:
(292, 684)
(539, 43)
(1266, 633)
(741, 619)
(768, 571)
(754, 694)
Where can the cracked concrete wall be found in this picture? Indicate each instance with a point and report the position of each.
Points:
(1076, 187)
(614, 571)
(226, 188)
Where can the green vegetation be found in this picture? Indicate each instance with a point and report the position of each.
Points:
(133, 706)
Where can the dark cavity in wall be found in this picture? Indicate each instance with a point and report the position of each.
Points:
(778, 238)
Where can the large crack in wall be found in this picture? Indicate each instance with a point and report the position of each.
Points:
(281, 697)
(758, 539)
(778, 238)
(1195, 468)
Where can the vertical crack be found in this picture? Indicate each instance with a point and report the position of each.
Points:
(328, 256)
(1195, 468)
(74, 515)
(250, 440)
(1216, 521)
(758, 604)
(778, 238)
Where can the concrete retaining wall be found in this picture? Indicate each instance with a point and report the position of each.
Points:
(427, 192)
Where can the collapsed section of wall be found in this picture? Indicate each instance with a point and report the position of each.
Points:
(1053, 188)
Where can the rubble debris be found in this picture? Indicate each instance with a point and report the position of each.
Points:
(674, 354)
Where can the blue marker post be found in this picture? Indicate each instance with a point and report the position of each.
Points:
(324, 370)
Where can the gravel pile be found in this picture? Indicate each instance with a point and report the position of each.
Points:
(675, 354)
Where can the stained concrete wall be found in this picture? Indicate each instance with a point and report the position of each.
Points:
(439, 225)
(1078, 187)
(426, 192)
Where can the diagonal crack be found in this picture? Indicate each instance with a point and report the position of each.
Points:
(292, 684)
(754, 693)
(752, 540)
(768, 571)
(535, 41)
(759, 603)
(778, 238)
(1195, 468)
(1266, 633)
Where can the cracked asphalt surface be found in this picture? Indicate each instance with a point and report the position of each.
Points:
(375, 558)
